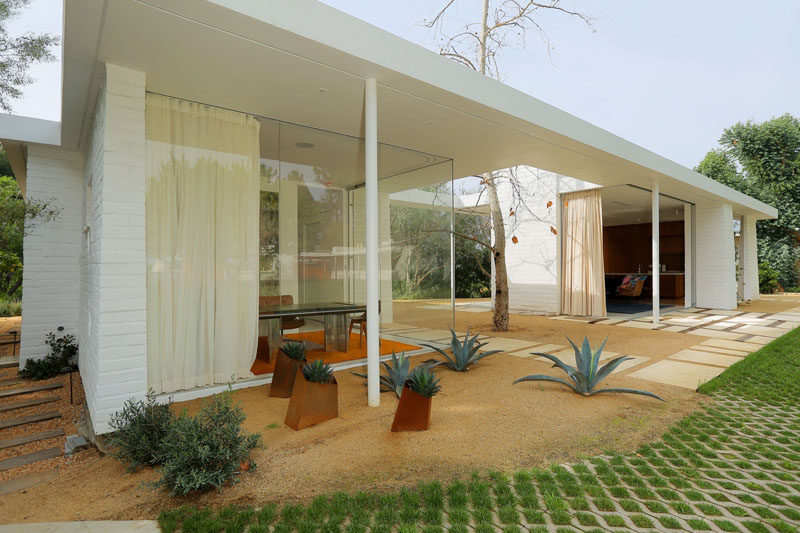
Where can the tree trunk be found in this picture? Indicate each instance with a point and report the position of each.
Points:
(500, 314)
(13, 289)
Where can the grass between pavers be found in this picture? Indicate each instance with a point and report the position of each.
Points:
(732, 466)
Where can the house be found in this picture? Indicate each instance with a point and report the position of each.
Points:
(212, 152)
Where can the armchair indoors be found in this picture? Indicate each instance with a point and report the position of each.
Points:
(631, 287)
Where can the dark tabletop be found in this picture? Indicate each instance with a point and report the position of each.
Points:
(323, 308)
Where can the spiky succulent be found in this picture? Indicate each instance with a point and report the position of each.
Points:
(396, 373)
(465, 354)
(423, 381)
(318, 371)
(587, 373)
(294, 350)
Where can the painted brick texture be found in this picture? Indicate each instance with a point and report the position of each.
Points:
(113, 284)
(750, 258)
(50, 279)
(715, 262)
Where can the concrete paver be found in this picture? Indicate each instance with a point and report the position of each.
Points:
(678, 373)
(732, 345)
(705, 332)
(707, 358)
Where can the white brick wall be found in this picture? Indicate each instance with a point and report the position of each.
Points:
(532, 263)
(50, 295)
(113, 283)
(715, 261)
(749, 259)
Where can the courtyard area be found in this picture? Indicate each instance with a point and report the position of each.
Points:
(498, 456)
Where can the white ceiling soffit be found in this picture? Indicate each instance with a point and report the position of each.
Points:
(272, 57)
(30, 130)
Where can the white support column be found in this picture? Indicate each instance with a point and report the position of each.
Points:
(688, 251)
(656, 269)
(749, 258)
(371, 222)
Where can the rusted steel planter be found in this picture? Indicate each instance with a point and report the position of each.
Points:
(283, 376)
(312, 403)
(413, 412)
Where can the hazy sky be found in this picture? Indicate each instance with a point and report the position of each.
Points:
(669, 76)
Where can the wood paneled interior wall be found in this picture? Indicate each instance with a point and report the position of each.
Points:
(626, 247)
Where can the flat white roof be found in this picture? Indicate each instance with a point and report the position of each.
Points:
(272, 58)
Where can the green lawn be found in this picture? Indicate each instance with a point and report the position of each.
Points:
(733, 466)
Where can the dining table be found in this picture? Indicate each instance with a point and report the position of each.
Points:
(335, 319)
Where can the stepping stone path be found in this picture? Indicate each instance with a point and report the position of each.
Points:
(731, 336)
(19, 392)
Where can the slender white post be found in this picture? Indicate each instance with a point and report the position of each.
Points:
(688, 248)
(373, 281)
(656, 256)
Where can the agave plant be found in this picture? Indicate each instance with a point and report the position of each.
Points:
(465, 354)
(396, 373)
(424, 382)
(587, 372)
(318, 371)
(294, 350)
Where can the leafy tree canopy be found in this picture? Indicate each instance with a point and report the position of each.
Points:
(763, 160)
(17, 53)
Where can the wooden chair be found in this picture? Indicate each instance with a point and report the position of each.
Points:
(361, 320)
(631, 287)
(287, 322)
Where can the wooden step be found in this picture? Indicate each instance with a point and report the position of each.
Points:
(26, 390)
(27, 403)
(9, 363)
(33, 437)
(29, 419)
(28, 458)
(13, 485)
(12, 381)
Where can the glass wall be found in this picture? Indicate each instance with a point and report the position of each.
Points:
(240, 207)
(312, 221)
(418, 252)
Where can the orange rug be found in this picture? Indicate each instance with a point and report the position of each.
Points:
(355, 352)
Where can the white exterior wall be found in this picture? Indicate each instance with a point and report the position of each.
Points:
(749, 258)
(715, 261)
(112, 281)
(534, 262)
(50, 295)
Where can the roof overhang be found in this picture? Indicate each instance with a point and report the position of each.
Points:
(271, 58)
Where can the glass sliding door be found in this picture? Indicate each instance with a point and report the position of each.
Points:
(416, 258)
(244, 212)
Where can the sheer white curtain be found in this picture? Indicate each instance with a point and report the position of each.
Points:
(202, 225)
(583, 291)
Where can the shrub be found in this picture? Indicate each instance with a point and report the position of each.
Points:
(207, 450)
(10, 307)
(139, 432)
(767, 278)
(63, 354)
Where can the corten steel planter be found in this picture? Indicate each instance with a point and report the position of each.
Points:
(262, 352)
(283, 376)
(413, 412)
(312, 403)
